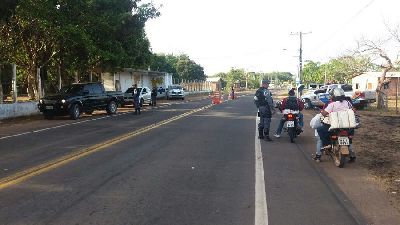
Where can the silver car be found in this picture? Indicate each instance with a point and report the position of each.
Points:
(175, 91)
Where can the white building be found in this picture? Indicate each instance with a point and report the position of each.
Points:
(121, 81)
(370, 80)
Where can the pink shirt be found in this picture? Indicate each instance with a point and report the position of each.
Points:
(338, 106)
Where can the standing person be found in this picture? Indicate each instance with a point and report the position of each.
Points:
(136, 99)
(315, 123)
(232, 92)
(154, 96)
(264, 102)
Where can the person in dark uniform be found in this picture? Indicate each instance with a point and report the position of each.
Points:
(154, 96)
(136, 99)
(264, 102)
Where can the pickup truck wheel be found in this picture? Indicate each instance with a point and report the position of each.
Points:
(75, 112)
(111, 108)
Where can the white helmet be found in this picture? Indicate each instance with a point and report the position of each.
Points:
(336, 92)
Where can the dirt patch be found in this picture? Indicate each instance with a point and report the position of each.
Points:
(377, 144)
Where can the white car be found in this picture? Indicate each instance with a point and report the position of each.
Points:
(311, 99)
(145, 96)
(175, 91)
(347, 88)
(308, 97)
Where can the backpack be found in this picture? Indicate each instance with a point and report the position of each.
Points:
(291, 103)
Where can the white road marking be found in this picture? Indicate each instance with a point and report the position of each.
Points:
(15, 135)
(261, 212)
(94, 119)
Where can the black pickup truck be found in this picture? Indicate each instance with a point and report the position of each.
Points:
(74, 99)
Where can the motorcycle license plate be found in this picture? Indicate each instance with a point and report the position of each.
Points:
(49, 107)
(290, 124)
(343, 141)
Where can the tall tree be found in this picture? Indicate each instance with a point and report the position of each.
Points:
(30, 39)
(312, 73)
(376, 49)
(181, 66)
(76, 35)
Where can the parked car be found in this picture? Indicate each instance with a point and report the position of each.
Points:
(320, 100)
(362, 98)
(347, 88)
(307, 97)
(74, 99)
(145, 96)
(175, 91)
(319, 97)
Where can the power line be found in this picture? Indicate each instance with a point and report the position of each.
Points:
(344, 25)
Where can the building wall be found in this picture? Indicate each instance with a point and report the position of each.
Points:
(121, 81)
(365, 82)
(108, 81)
(369, 81)
(392, 86)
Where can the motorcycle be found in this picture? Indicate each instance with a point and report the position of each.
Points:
(340, 143)
(291, 118)
(292, 123)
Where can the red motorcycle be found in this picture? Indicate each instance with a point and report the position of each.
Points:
(341, 140)
(292, 128)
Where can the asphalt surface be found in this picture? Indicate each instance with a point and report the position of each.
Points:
(196, 168)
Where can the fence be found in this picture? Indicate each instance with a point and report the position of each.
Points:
(196, 86)
(18, 109)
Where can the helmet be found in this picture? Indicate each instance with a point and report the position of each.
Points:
(336, 92)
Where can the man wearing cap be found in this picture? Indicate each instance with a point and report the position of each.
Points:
(264, 102)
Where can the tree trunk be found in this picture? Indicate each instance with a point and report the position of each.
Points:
(1, 89)
(76, 77)
(59, 77)
(32, 84)
(381, 96)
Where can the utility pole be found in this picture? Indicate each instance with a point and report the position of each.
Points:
(300, 53)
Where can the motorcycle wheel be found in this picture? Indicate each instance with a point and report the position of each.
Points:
(291, 134)
(338, 157)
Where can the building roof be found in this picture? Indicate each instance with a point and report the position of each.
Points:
(379, 74)
(149, 72)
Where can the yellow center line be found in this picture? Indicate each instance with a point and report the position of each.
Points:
(40, 169)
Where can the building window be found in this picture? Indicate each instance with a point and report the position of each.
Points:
(369, 86)
(357, 86)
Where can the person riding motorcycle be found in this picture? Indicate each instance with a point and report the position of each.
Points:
(290, 103)
(264, 102)
(339, 103)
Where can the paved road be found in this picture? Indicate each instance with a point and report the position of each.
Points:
(189, 164)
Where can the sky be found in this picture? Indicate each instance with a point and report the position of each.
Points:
(258, 35)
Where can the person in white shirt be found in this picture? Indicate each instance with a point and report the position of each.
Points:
(339, 103)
